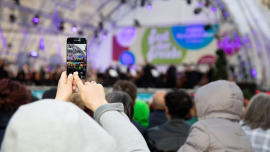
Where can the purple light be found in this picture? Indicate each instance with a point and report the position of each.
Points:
(35, 20)
(104, 37)
(74, 29)
(254, 73)
(34, 54)
(149, 7)
(213, 9)
(200, 5)
(226, 14)
(230, 47)
(41, 44)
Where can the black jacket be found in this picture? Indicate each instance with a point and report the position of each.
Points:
(156, 118)
(168, 137)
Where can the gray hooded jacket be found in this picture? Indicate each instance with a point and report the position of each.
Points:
(219, 108)
(58, 126)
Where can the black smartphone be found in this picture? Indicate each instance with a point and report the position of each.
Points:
(77, 56)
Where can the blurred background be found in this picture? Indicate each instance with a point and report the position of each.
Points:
(153, 43)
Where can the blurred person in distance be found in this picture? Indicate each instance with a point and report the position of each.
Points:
(172, 134)
(158, 115)
(219, 108)
(257, 122)
(12, 96)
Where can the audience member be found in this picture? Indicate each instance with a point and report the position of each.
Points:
(257, 122)
(76, 99)
(158, 116)
(12, 95)
(219, 107)
(131, 89)
(172, 134)
(124, 98)
(72, 130)
(49, 94)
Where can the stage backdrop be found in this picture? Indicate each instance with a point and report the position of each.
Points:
(166, 45)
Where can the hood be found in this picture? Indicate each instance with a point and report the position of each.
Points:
(219, 99)
(55, 126)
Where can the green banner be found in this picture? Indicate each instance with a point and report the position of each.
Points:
(159, 47)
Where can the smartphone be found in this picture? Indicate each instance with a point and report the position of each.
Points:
(77, 56)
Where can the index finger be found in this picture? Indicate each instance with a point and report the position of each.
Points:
(63, 77)
(78, 81)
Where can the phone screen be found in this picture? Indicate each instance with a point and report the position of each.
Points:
(77, 56)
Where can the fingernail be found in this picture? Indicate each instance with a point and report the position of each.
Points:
(73, 88)
(70, 75)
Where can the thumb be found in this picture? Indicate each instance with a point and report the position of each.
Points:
(70, 79)
(78, 81)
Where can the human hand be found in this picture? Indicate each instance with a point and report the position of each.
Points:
(92, 93)
(66, 86)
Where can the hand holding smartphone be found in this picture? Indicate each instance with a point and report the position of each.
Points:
(77, 56)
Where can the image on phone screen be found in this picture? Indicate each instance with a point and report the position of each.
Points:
(77, 58)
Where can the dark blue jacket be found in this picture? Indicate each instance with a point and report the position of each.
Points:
(157, 118)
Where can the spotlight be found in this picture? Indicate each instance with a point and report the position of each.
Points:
(213, 9)
(80, 32)
(149, 6)
(35, 19)
(137, 23)
(104, 36)
(226, 14)
(12, 18)
(142, 3)
(34, 54)
(100, 25)
(189, 1)
(41, 44)
(200, 4)
(96, 35)
(61, 26)
(197, 10)
(207, 27)
(74, 29)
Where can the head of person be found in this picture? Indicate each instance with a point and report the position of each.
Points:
(159, 100)
(70, 129)
(126, 86)
(178, 104)
(50, 94)
(125, 99)
(219, 99)
(13, 94)
(258, 112)
(77, 100)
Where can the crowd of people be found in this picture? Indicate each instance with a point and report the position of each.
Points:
(215, 118)
(143, 77)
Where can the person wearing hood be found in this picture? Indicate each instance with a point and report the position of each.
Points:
(219, 108)
(59, 126)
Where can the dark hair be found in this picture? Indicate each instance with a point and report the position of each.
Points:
(178, 103)
(258, 112)
(124, 98)
(127, 86)
(50, 94)
(13, 94)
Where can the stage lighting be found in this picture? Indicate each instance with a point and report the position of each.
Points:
(213, 9)
(12, 18)
(197, 10)
(142, 3)
(61, 26)
(35, 19)
(189, 1)
(137, 23)
(34, 54)
(96, 34)
(80, 32)
(104, 36)
(74, 29)
(100, 25)
(200, 4)
(149, 6)
(207, 27)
